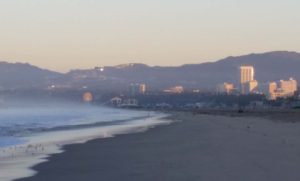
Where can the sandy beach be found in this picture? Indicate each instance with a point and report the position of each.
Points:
(195, 147)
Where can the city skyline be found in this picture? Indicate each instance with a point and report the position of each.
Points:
(61, 35)
(158, 90)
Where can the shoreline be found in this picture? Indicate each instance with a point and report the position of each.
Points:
(17, 161)
(277, 115)
(200, 147)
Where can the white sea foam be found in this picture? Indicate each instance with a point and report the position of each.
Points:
(16, 161)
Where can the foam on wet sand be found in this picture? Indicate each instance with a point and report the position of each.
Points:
(200, 147)
(16, 161)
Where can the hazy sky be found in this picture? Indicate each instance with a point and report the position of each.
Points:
(64, 34)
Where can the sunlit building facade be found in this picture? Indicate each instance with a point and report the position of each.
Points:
(268, 89)
(282, 89)
(247, 74)
(175, 90)
(225, 88)
(247, 82)
(250, 87)
(287, 88)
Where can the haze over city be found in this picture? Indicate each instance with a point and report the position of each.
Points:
(65, 34)
(137, 90)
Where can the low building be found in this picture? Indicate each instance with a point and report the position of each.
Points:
(251, 87)
(116, 101)
(269, 90)
(227, 88)
(175, 90)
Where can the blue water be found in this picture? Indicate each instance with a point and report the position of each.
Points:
(17, 123)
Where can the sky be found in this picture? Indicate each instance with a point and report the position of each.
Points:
(67, 34)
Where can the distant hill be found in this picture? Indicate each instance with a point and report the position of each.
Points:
(269, 66)
(20, 75)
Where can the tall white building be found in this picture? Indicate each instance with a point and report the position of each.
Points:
(246, 77)
(247, 74)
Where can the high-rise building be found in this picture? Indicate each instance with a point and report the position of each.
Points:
(247, 79)
(247, 74)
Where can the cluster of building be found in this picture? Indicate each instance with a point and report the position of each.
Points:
(125, 103)
(272, 90)
(283, 88)
(140, 89)
(136, 89)
(247, 85)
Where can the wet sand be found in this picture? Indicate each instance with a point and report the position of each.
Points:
(200, 147)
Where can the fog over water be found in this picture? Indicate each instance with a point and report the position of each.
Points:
(30, 131)
(21, 119)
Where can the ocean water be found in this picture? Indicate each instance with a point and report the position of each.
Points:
(17, 123)
(29, 133)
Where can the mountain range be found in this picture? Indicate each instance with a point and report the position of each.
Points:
(24, 75)
(270, 66)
